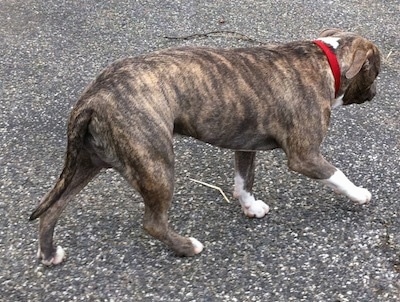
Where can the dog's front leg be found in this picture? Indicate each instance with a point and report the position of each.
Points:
(244, 178)
(315, 166)
(341, 184)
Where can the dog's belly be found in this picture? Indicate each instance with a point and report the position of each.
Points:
(244, 143)
(230, 137)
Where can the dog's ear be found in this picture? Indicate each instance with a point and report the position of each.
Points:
(329, 32)
(360, 58)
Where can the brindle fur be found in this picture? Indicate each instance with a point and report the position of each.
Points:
(244, 99)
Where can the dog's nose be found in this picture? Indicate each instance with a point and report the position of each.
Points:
(372, 94)
(373, 89)
(370, 97)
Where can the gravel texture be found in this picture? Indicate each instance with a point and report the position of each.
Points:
(312, 246)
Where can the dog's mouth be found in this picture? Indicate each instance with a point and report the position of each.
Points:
(370, 92)
(358, 95)
(372, 95)
(368, 96)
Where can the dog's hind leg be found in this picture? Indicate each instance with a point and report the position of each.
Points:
(244, 178)
(155, 222)
(154, 179)
(85, 172)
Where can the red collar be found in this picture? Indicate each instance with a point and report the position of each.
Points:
(333, 62)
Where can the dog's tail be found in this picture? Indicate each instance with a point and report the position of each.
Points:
(77, 128)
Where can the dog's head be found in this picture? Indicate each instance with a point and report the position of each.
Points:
(360, 65)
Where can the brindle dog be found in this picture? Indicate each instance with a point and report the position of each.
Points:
(245, 99)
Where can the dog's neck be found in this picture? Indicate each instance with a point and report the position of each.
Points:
(333, 62)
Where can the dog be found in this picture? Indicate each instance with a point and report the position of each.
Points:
(245, 99)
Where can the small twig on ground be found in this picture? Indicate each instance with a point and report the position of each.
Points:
(213, 187)
(388, 56)
(216, 33)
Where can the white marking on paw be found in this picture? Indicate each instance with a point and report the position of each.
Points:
(197, 245)
(360, 195)
(332, 41)
(57, 259)
(341, 184)
(251, 207)
(239, 184)
(338, 102)
(257, 209)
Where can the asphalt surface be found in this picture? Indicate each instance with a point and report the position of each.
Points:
(312, 246)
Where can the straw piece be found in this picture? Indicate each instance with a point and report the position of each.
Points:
(213, 187)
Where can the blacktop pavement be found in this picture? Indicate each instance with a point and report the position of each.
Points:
(312, 246)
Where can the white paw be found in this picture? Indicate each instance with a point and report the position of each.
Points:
(197, 245)
(57, 259)
(257, 209)
(341, 184)
(359, 195)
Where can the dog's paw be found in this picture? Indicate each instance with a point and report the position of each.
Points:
(58, 257)
(341, 184)
(359, 195)
(257, 209)
(197, 245)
